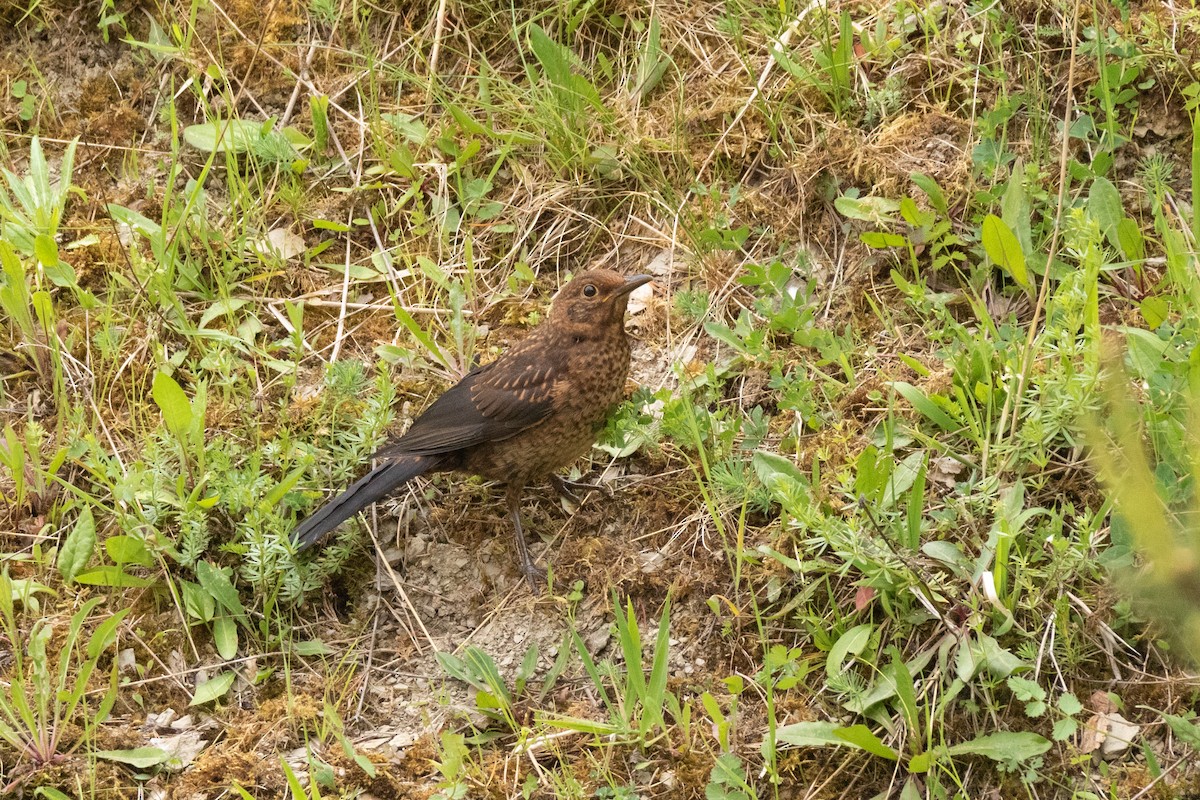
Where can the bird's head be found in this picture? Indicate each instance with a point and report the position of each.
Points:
(594, 301)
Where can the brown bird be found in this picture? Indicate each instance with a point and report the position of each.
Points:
(533, 410)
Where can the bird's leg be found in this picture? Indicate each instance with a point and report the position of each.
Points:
(533, 574)
(573, 489)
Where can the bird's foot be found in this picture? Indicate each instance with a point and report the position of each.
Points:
(573, 491)
(535, 576)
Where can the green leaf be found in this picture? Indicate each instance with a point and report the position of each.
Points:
(902, 478)
(233, 136)
(221, 308)
(921, 402)
(1185, 730)
(225, 637)
(45, 249)
(825, 734)
(860, 736)
(882, 240)
(930, 187)
(50, 792)
(112, 576)
(197, 602)
(171, 400)
(809, 734)
(1025, 690)
(877, 210)
(1154, 310)
(1014, 208)
(311, 647)
(1064, 729)
(1005, 747)
(105, 634)
(906, 692)
(216, 582)
(213, 688)
(1004, 250)
(1068, 703)
(284, 486)
(727, 779)
(773, 470)
(128, 550)
(141, 757)
(1104, 205)
(652, 63)
(555, 60)
(850, 643)
(1130, 241)
(920, 763)
(78, 546)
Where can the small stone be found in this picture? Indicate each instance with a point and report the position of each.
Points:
(598, 639)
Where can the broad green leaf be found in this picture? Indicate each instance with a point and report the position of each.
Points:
(128, 550)
(1154, 310)
(930, 187)
(112, 576)
(311, 647)
(233, 136)
(141, 757)
(171, 400)
(330, 225)
(1068, 703)
(902, 478)
(877, 210)
(1130, 241)
(105, 634)
(51, 793)
(850, 643)
(135, 221)
(78, 546)
(216, 582)
(860, 736)
(225, 637)
(809, 734)
(220, 308)
(1185, 730)
(1104, 205)
(286, 485)
(1002, 247)
(906, 692)
(881, 240)
(213, 688)
(826, 734)
(1064, 729)
(1005, 747)
(197, 602)
(1014, 208)
(45, 249)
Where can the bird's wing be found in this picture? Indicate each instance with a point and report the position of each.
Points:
(492, 402)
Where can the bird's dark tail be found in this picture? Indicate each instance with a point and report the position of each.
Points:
(373, 486)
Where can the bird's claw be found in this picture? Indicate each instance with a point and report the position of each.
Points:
(535, 576)
(572, 490)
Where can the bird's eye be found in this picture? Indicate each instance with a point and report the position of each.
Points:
(589, 291)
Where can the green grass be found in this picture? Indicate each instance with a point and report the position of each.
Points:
(909, 478)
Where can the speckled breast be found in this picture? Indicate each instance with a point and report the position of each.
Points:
(597, 383)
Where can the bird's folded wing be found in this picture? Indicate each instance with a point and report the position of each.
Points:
(492, 402)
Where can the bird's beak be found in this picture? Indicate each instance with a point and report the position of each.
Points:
(633, 282)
